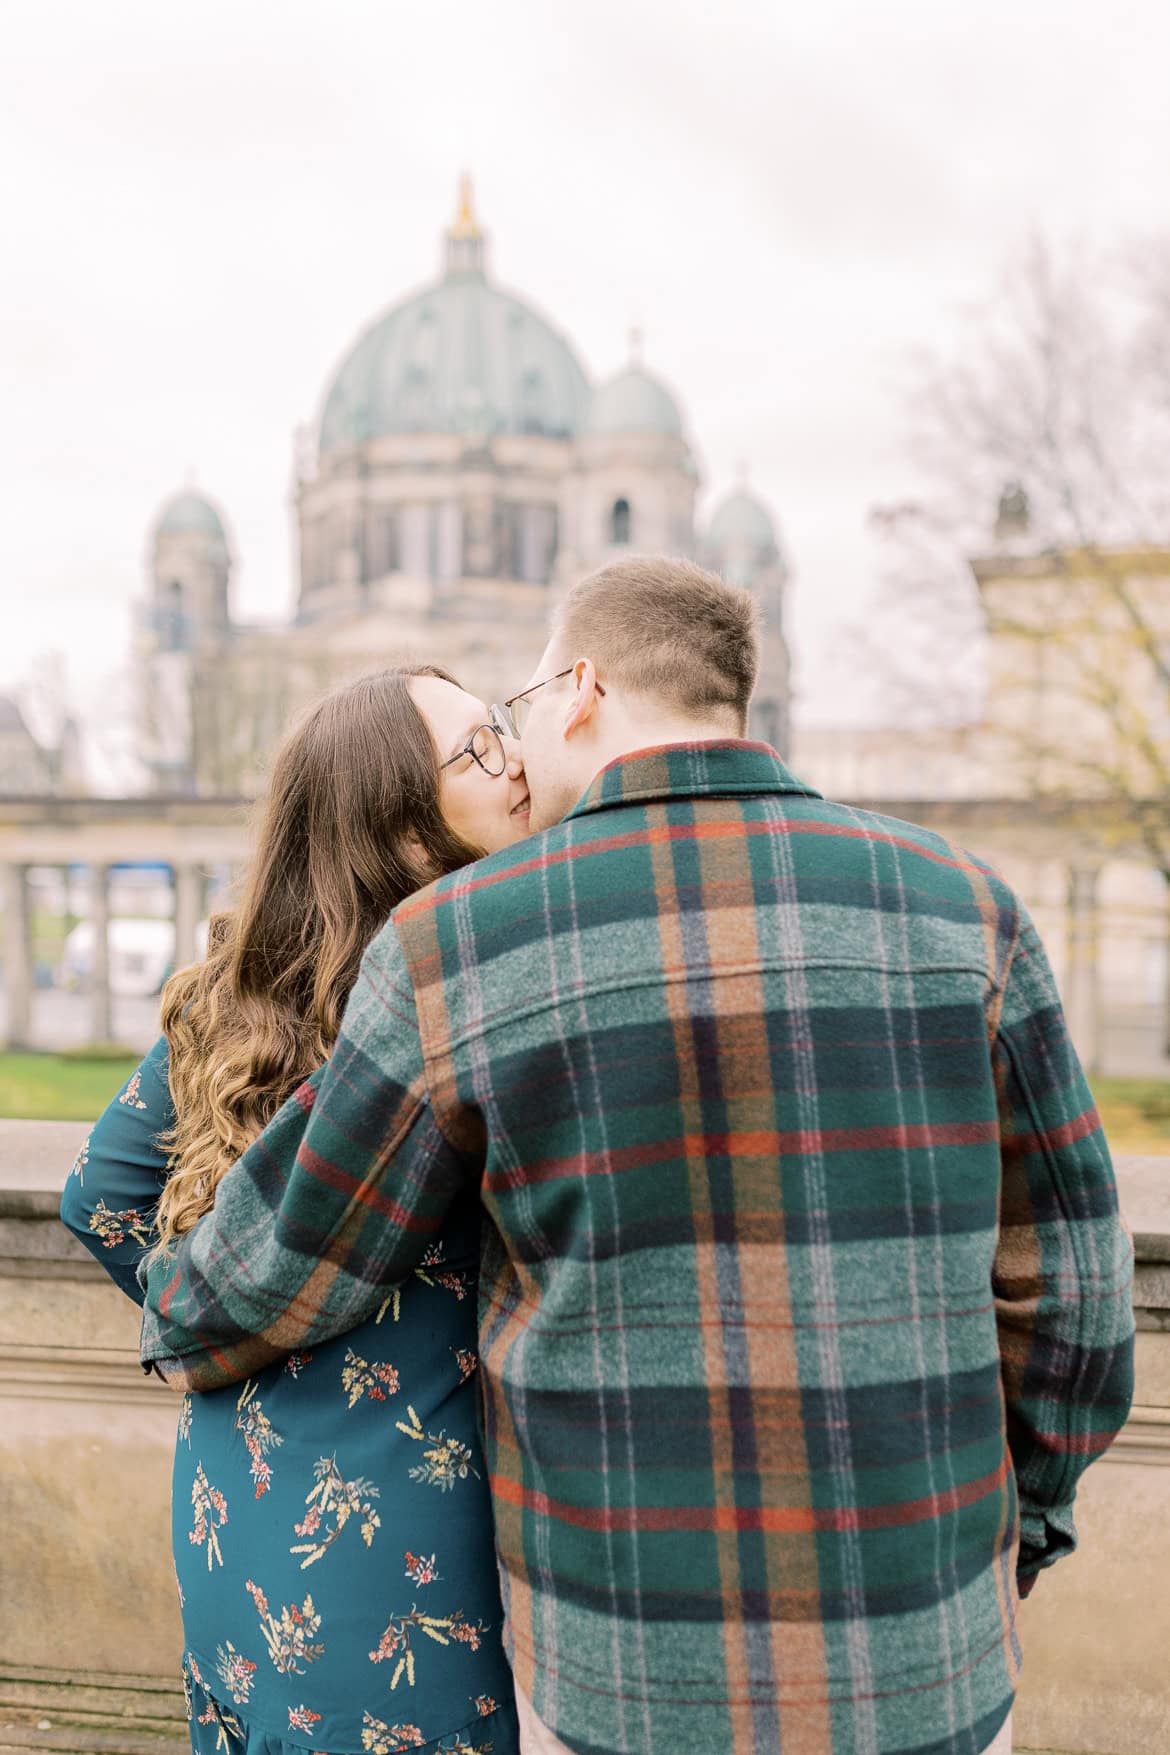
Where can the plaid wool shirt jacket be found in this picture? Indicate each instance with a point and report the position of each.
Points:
(805, 1301)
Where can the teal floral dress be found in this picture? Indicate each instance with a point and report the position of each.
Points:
(331, 1520)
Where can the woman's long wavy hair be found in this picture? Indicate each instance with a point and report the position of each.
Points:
(351, 825)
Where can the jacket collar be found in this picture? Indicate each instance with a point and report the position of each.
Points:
(689, 770)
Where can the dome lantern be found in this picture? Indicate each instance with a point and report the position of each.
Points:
(635, 401)
(461, 356)
(465, 239)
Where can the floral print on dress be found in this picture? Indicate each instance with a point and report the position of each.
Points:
(421, 1571)
(301, 1719)
(447, 1461)
(112, 1227)
(379, 1738)
(77, 1168)
(398, 1639)
(334, 1498)
(431, 1272)
(289, 1636)
(259, 1435)
(130, 1097)
(210, 1514)
(359, 1377)
(235, 1672)
(227, 1725)
(321, 1443)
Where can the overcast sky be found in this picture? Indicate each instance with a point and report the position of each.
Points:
(203, 203)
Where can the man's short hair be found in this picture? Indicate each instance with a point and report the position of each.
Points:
(667, 629)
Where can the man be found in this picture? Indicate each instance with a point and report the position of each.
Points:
(805, 1300)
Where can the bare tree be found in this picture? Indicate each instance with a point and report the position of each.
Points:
(1054, 628)
(1049, 631)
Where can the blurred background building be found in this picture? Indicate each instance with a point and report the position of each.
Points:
(464, 470)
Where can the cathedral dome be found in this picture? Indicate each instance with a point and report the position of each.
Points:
(190, 512)
(742, 518)
(461, 356)
(634, 402)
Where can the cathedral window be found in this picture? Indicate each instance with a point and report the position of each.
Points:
(415, 541)
(620, 523)
(534, 402)
(381, 545)
(537, 544)
(172, 628)
(449, 543)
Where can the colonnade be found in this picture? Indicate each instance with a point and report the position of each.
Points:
(188, 885)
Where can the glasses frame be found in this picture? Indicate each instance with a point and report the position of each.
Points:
(523, 694)
(494, 723)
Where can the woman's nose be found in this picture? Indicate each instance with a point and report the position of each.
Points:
(515, 759)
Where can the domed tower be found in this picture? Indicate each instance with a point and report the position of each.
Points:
(637, 476)
(741, 545)
(443, 443)
(186, 628)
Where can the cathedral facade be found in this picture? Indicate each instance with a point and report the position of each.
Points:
(463, 472)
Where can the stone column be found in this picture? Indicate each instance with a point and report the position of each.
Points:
(101, 1028)
(188, 887)
(18, 973)
(1082, 986)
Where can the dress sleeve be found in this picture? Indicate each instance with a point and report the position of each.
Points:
(338, 1199)
(112, 1192)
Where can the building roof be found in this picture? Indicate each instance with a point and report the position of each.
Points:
(634, 402)
(190, 511)
(463, 355)
(741, 518)
(11, 718)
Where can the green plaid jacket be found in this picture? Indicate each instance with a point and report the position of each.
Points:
(805, 1301)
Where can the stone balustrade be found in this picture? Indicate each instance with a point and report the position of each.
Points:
(89, 1624)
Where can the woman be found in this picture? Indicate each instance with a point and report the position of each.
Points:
(331, 1522)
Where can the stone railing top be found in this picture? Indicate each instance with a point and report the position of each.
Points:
(35, 1158)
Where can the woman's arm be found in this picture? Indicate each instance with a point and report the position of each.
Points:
(112, 1191)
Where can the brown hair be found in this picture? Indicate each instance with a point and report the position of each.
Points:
(351, 825)
(666, 628)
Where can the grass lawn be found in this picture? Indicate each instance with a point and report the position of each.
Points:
(1135, 1113)
(61, 1087)
(77, 1087)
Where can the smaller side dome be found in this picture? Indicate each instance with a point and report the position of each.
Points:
(742, 518)
(190, 512)
(634, 402)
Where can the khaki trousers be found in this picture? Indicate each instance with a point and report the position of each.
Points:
(537, 1739)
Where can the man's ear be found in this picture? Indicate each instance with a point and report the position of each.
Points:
(585, 698)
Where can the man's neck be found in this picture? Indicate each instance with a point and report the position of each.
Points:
(652, 734)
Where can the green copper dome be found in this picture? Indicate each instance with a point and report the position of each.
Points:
(634, 402)
(190, 512)
(460, 357)
(741, 518)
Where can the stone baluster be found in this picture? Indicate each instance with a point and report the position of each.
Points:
(1082, 995)
(18, 970)
(101, 1028)
(188, 890)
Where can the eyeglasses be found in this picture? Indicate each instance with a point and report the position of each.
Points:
(515, 708)
(485, 746)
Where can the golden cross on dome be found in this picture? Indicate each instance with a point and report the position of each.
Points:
(466, 225)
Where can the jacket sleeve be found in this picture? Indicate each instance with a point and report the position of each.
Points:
(1063, 1272)
(337, 1200)
(111, 1193)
